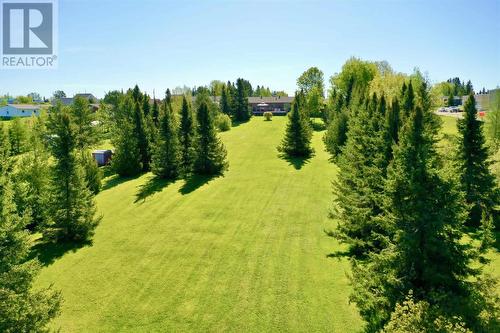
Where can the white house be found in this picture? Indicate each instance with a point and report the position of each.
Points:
(19, 110)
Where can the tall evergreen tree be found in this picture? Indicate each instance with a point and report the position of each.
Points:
(241, 112)
(225, 106)
(473, 164)
(427, 256)
(211, 153)
(17, 137)
(32, 184)
(155, 112)
(297, 140)
(187, 138)
(407, 100)
(86, 136)
(166, 160)
(74, 211)
(22, 308)
(127, 159)
(336, 133)
(82, 116)
(358, 189)
(141, 133)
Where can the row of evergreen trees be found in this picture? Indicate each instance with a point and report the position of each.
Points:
(402, 210)
(154, 139)
(234, 101)
(49, 189)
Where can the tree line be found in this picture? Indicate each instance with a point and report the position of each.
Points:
(405, 209)
(154, 137)
(49, 189)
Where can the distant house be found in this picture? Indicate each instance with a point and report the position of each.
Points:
(102, 156)
(94, 101)
(278, 105)
(19, 110)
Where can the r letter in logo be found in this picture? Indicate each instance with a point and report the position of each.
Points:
(28, 34)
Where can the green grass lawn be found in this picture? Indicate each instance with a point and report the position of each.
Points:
(245, 252)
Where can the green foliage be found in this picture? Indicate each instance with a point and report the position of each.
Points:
(22, 309)
(225, 105)
(72, 202)
(17, 137)
(473, 165)
(297, 139)
(336, 133)
(127, 158)
(427, 253)
(141, 133)
(358, 205)
(223, 122)
(82, 116)
(355, 77)
(410, 317)
(268, 116)
(187, 138)
(32, 181)
(310, 79)
(93, 175)
(167, 157)
(493, 120)
(211, 154)
(314, 102)
(241, 109)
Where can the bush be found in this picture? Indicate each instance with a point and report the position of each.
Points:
(223, 122)
(268, 115)
(318, 124)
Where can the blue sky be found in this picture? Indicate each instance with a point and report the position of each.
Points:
(106, 45)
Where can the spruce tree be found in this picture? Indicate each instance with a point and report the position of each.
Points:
(210, 152)
(407, 100)
(72, 202)
(358, 189)
(82, 116)
(225, 106)
(86, 136)
(22, 308)
(187, 138)
(336, 133)
(242, 111)
(32, 184)
(127, 158)
(297, 140)
(166, 160)
(155, 112)
(473, 165)
(17, 137)
(393, 121)
(140, 131)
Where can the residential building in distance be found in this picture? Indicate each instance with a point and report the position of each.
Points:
(94, 101)
(20, 110)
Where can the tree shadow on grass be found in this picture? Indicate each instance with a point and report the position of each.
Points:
(115, 180)
(295, 161)
(152, 186)
(339, 254)
(194, 182)
(47, 252)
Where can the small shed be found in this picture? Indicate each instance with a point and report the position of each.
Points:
(102, 156)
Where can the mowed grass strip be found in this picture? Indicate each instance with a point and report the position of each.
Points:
(243, 252)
